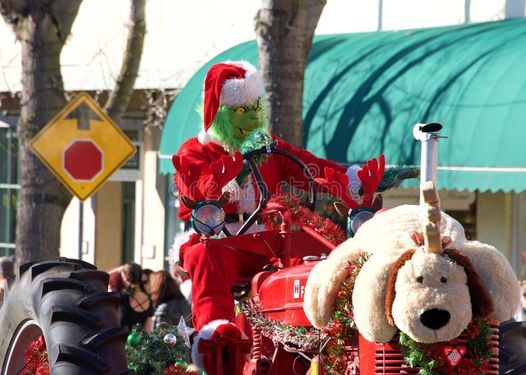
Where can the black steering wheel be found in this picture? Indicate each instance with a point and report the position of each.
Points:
(264, 194)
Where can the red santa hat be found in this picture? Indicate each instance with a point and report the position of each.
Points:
(231, 83)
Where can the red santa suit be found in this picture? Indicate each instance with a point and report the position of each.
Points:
(213, 271)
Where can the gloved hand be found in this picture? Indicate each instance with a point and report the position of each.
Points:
(227, 168)
(371, 175)
(183, 165)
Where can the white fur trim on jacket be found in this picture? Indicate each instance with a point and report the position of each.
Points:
(244, 91)
(204, 334)
(247, 197)
(354, 182)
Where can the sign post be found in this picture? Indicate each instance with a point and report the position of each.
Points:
(82, 146)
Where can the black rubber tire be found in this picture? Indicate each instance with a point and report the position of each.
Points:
(512, 348)
(67, 301)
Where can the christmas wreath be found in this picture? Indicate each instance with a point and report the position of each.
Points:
(449, 358)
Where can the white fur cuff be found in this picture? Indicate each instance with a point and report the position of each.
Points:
(354, 182)
(204, 334)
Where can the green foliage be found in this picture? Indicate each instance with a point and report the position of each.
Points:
(147, 353)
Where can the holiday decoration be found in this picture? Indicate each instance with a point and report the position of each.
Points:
(134, 338)
(35, 358)
(298, 337)
(342, 331)
(444, 358)
(184, 331)
(299, 215)
(170, 339)
(422, 284)
(156, 352)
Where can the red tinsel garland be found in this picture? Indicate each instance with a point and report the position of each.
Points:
(295, 213)
(342, 329)
(35, 358)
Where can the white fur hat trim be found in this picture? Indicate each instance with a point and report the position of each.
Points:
(236, 92)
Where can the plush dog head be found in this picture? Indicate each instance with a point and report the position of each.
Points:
(422, 277)
(433, 297)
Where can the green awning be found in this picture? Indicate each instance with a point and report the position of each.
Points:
(365, 91)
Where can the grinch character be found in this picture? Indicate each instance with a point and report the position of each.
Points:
(211, 164)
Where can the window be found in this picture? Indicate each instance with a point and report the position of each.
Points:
(8, 188)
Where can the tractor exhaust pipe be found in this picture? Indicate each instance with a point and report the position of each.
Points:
(427, 134)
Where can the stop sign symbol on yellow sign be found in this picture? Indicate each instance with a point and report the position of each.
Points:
(82, 146)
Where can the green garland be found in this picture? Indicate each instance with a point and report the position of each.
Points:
(148, 353)
(432, 359)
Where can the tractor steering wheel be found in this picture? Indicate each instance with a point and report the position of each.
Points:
(264, 194)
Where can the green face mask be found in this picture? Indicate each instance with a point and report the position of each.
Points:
(246, 118)
(231, 126)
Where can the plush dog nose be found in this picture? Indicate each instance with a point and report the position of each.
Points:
(435, 318)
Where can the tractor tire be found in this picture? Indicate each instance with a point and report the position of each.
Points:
(66, 301)
(512, 348)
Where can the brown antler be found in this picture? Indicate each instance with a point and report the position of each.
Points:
(432, 241)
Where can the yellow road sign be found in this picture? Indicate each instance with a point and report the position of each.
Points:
(82, 146)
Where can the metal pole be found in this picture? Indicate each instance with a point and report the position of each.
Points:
(81, 227)
(428, 137)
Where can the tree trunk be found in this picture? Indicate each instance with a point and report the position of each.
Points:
(123, 90)
(42, 29)
(284, 31)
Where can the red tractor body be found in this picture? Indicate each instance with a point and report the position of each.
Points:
(281, 294)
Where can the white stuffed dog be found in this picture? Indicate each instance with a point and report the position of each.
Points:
(422, 277)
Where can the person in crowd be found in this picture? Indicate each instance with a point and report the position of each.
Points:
(6, 272)
(170, 305)
(136, 304)
(119, 277)
(146, 272)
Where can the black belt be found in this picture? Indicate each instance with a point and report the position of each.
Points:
(235, 218)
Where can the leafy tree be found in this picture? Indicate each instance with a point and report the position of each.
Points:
(42, 27)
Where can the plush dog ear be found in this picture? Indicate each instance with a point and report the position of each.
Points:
(369, 298)
(497, 277)
(481, 302)
(324, 282)
(390, 292)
